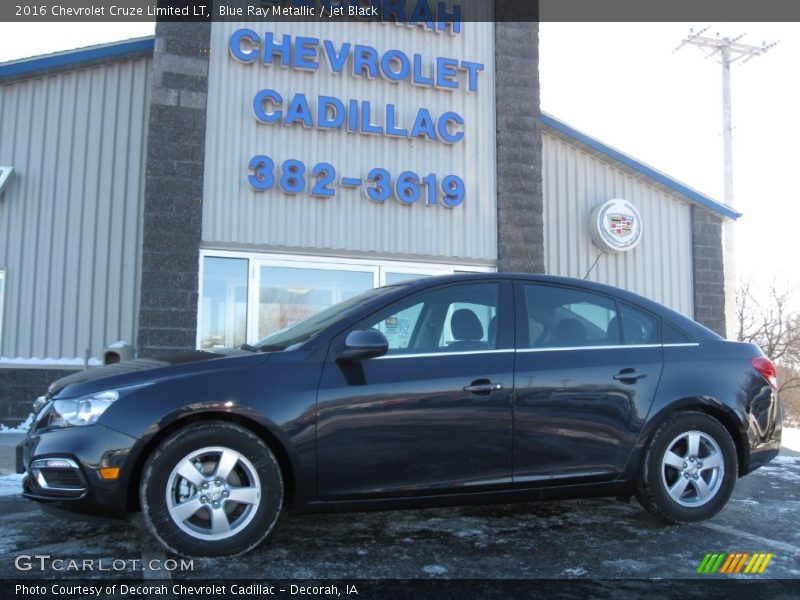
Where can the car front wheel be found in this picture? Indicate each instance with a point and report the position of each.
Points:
(212, 489)
(689, 469)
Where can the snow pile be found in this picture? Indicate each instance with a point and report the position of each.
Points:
(791, 439)
(11, 485)
(21, 428)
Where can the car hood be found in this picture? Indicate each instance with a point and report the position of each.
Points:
(140, 364)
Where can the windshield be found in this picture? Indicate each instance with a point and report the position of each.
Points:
(304, 330)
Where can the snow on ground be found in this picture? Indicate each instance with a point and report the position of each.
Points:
(21, 428)
(791, 439)
(77, 363)
(10, 485)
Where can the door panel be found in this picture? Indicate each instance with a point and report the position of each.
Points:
(572, 418)
(581, 394)
(403, 424)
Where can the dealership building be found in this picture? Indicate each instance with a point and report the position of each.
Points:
(220, 181)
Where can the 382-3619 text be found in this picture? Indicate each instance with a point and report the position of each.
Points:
(379, 186)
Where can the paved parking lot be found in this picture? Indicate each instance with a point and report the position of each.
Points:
(569, 539)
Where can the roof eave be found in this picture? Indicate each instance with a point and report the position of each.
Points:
(693, 196)
(74, 59)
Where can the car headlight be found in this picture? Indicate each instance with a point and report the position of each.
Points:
(81, 411)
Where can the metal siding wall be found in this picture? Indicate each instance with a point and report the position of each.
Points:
(234, 213)
(70, 221)
(574, 183)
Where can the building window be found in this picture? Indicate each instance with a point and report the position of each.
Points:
(288, 294)
(247, 296)
(223, 302)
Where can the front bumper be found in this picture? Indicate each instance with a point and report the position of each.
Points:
(62, 469)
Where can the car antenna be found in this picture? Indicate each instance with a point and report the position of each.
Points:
(585, 277)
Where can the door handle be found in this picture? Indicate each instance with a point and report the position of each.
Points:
(629, 376)
(486, 387)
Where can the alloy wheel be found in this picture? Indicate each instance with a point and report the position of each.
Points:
(693, 468)
(213, 493)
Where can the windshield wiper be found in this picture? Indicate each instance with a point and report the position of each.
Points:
(271, 348)
(249, 348)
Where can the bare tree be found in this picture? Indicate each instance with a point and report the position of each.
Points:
(769, 321)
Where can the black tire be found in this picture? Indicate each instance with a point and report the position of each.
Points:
(706, 489)
(248, 500)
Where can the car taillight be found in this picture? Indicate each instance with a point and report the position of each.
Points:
(764, 366)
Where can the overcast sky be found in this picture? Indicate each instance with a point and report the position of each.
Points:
(622, 84)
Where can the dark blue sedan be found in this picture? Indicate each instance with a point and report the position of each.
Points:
(459, 389)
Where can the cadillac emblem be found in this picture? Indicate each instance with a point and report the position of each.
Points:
(616, 226)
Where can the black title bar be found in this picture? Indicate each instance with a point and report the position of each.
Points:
(392, 589)
(413, 11)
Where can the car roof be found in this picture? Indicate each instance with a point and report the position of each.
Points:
(677, 319)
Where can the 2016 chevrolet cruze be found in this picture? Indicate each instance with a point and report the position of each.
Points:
(467, 388)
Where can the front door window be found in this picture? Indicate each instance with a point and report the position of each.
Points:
(452, 319)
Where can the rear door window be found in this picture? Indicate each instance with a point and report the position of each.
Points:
(638, 326)
(561, 317)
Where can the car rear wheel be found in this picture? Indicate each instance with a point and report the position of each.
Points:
(689, 469)
(212, 489)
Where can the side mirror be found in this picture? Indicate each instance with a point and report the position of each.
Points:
(364, 344)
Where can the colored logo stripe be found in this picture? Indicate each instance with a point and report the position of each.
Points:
(711, 562)
(732, 558)
(734, 562)
(730, 563)
(758, 563)
(740, 563)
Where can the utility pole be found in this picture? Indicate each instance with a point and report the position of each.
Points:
(726, 51)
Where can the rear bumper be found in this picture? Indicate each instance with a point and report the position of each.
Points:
(62, 469)
(762, 454)
(766, 430)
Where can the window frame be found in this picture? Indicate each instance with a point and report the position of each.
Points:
(248, 281)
